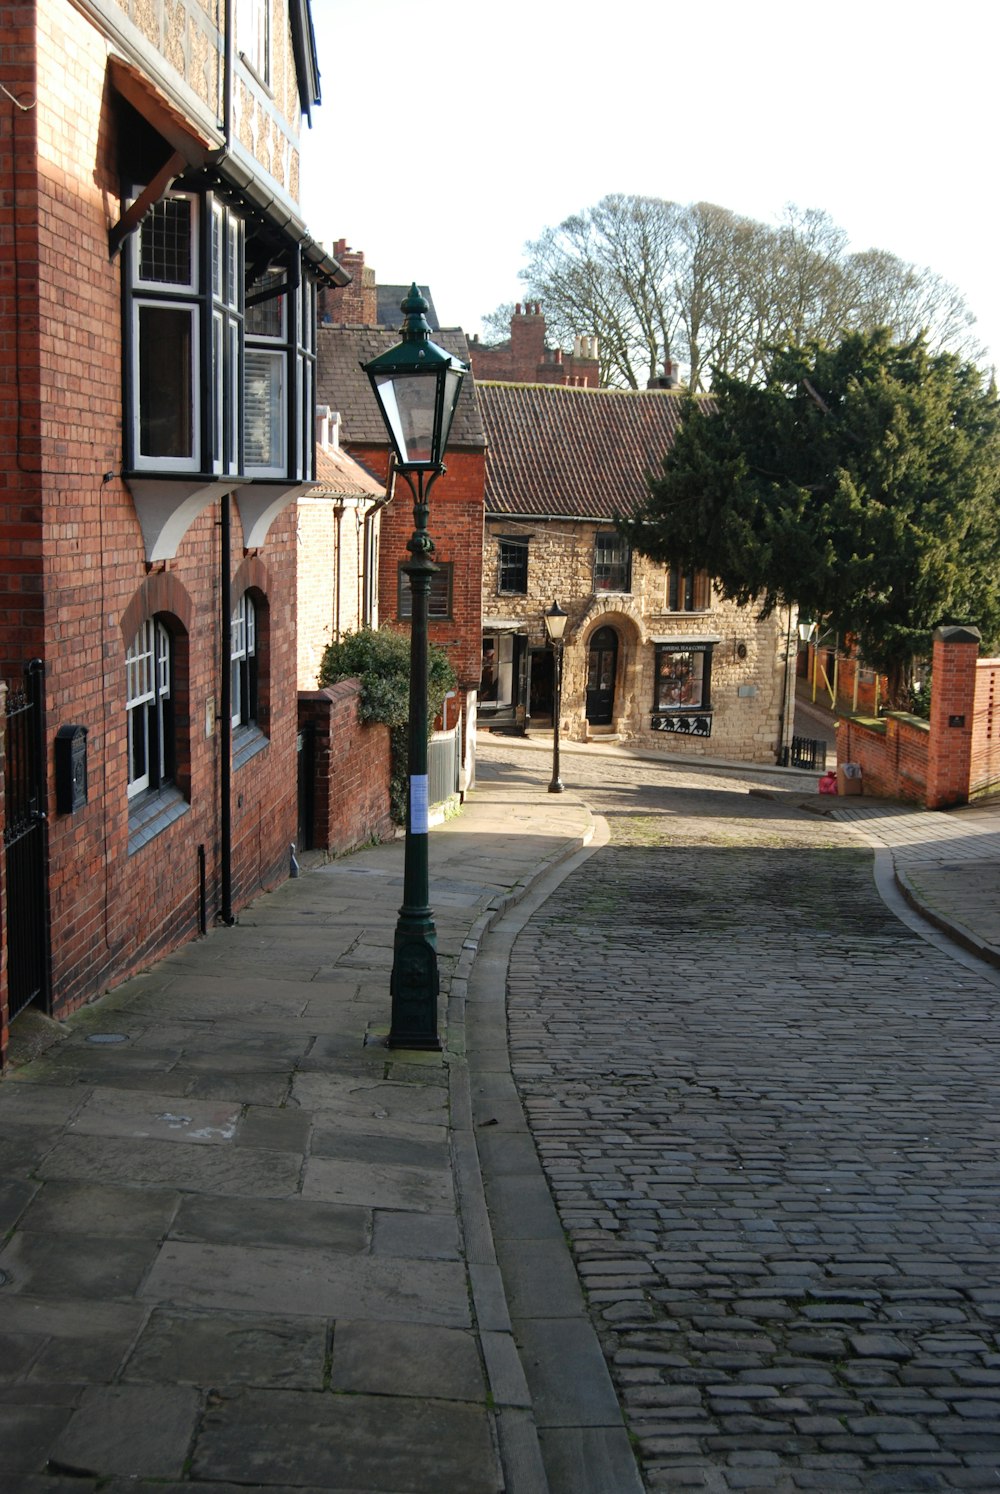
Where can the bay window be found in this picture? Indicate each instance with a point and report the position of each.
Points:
(220, 361)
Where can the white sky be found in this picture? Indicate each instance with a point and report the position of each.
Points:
(453, 131)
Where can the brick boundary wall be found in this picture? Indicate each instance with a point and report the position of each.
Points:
(351, 769)
(891, 753)
(953, 758)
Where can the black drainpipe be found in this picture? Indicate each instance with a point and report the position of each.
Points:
(226, 724)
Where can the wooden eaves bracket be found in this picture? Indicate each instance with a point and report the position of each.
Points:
(148, 198)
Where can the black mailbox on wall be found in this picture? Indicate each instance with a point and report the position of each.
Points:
(71, 768)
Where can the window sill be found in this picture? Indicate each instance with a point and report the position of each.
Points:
(258, 77)
(247, 742)
(150, 814)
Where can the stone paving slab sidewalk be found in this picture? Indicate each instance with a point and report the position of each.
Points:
(243, 1245)
(245, 1249)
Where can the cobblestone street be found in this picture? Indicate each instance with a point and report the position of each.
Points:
(768, 1114)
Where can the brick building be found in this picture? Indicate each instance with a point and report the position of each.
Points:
(158, 308)
(456, 504)
(526, 358)
(338, 545)
(652, 654)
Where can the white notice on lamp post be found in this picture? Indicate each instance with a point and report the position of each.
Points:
(419, 823)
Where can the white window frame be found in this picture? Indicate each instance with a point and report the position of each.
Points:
(253, 36)
(178, 296)
(226, 358)
(243, 659)
(255, 354)
(147, 689)
(171, 287)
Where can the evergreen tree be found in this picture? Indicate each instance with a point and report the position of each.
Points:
(859, 482)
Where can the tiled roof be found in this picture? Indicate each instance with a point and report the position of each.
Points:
(391, 297)
(340, 476)
(573, 453)
(341, 383)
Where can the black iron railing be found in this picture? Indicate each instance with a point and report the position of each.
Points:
(805, 752)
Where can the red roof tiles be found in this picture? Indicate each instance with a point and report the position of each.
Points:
(573, 453)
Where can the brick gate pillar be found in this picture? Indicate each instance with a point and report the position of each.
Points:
(953, 694)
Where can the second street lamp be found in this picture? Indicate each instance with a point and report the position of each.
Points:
(555, 626)
(417, 385)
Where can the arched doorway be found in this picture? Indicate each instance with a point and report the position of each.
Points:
(602, 665)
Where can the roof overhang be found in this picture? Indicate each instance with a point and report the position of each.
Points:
(139, 90)
(195, 150)
(306, 59)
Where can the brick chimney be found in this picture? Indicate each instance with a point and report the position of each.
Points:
(668, 379)
(354, 305)
(527, 339)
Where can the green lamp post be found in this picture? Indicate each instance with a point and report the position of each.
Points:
(417, 385)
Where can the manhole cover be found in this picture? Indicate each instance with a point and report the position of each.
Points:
(107, 1037)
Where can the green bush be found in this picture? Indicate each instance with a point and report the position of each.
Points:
(380, 659)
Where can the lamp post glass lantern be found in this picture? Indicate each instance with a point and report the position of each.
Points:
(416, 385)
(555, 626)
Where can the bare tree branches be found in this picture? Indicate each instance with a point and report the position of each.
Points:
(718, 291)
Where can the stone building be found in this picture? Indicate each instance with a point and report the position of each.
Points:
(157, 298)
(652, 655)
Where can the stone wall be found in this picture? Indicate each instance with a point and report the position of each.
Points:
(748, 680)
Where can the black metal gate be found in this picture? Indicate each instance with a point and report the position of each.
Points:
(306, 745)
(25, 843)
(804, 752)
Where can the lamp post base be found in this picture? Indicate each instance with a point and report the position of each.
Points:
(414, 985)
(556, 786)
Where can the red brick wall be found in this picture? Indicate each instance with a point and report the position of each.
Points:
(985, 766)
(456, 527)
(72, 561)
(20, 365)
(526, 360)
(352, 766)
(953, 694)
(892, 755)
(947, 760)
